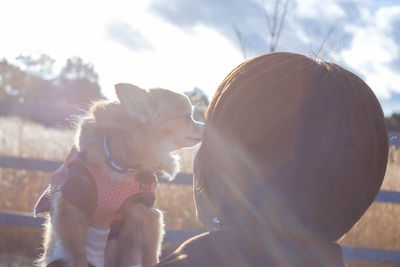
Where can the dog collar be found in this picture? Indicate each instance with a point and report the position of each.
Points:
(114, 162)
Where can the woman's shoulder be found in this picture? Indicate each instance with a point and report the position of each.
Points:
(220, 248)
(228, 248)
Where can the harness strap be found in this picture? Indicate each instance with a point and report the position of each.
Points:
(79, 187)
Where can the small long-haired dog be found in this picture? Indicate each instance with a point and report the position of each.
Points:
(109, 177)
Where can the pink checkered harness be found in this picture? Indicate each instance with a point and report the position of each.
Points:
(109, 195)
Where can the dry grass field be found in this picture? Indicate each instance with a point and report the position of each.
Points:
(19, 189)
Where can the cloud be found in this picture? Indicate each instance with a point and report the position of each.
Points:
(375, 51)
(306, 25)
(223, 16)
(395, 33)
(363, 36)
(126, 35)
(188, 13)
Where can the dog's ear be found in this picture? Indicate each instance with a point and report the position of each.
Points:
(135, 100)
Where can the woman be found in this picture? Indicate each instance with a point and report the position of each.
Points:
(294, 152)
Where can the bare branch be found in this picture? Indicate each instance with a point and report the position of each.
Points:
(242, 41)
(325, 42)
(275, 16)
(267, 19)
(275, 23)
(282, 19)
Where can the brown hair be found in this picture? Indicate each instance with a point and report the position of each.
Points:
(289, 136)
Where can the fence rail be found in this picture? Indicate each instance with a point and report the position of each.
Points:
(26, 219)
(178, 236)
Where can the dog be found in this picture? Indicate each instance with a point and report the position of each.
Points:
(118, 148)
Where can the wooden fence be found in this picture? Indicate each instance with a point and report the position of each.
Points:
(41, 112)
(178, 236)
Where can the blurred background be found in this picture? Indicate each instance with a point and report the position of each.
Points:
(56, 57)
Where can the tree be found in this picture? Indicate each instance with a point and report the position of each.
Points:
(76, 69)
(32, 79)
(40, 65)
(275, 21)
(243, 42)
(78, 82)
(13, 81)
(199, 100)
(393, 122)
(38, 70)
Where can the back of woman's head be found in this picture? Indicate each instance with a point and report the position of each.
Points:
(293, 142)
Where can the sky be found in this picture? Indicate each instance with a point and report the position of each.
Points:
(182, 44)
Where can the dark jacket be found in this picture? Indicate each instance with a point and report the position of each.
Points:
(225, 248)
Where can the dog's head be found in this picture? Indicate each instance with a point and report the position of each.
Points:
(163, 110)
(142, 129)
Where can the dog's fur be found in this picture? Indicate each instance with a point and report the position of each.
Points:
(144, 127)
